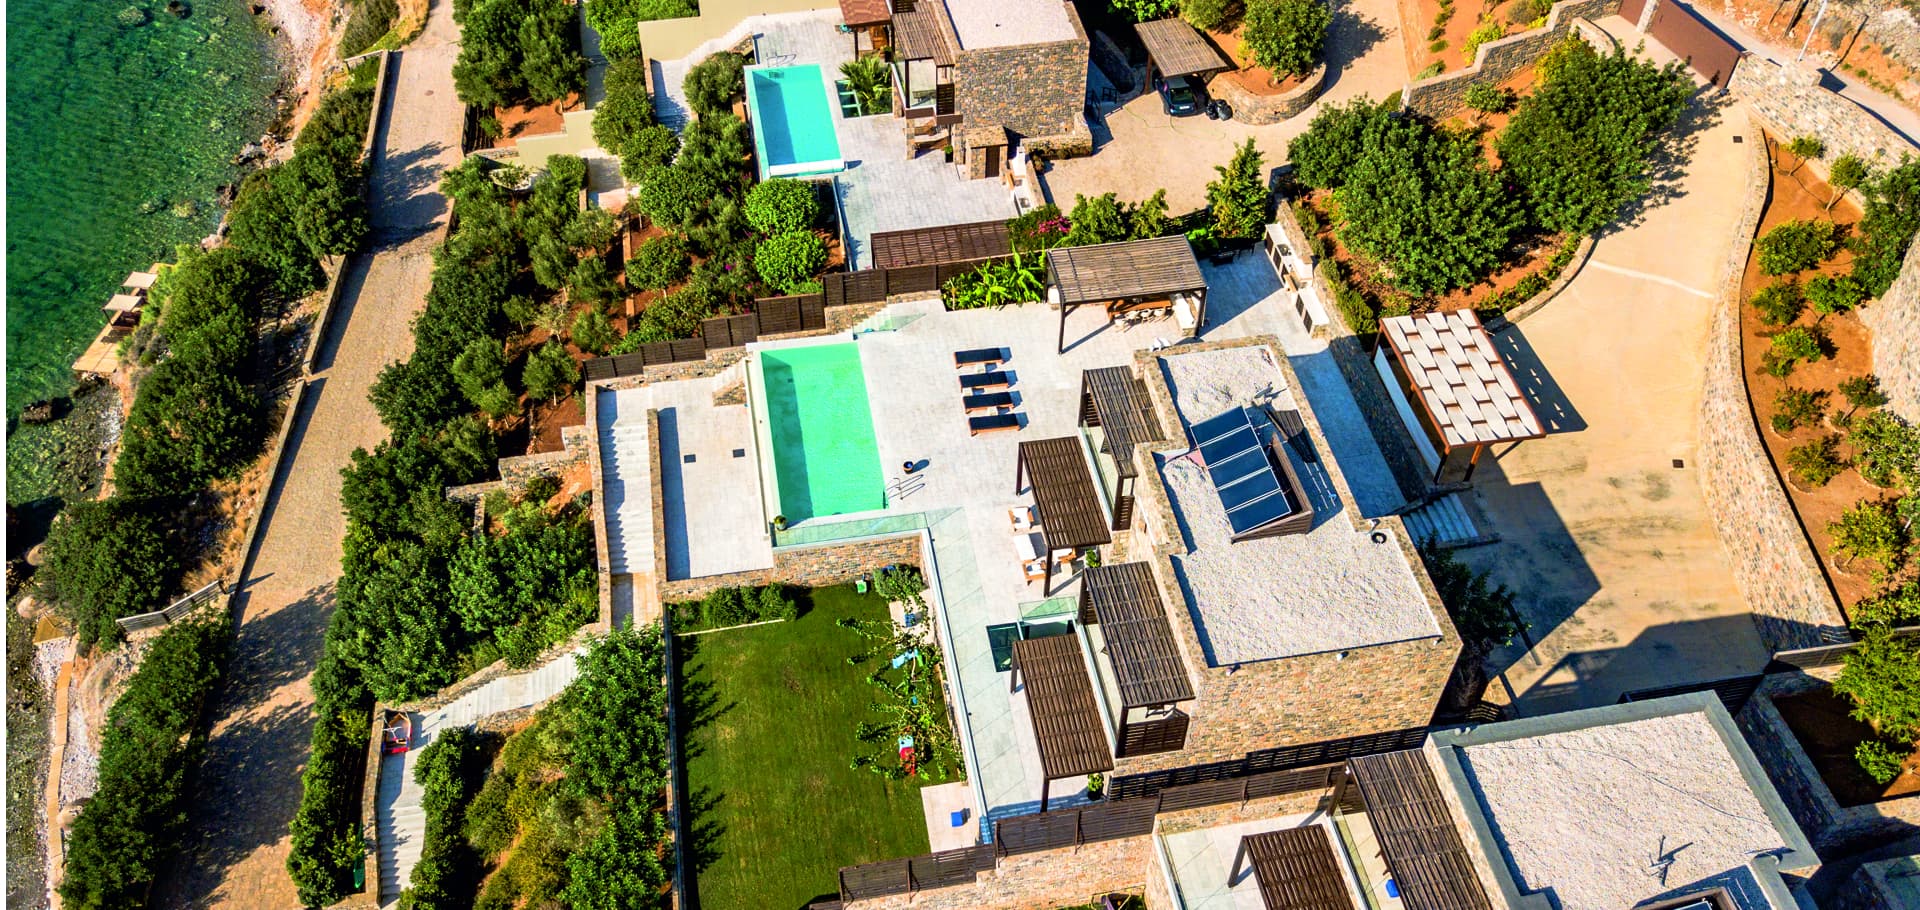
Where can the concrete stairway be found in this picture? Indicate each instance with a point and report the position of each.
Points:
(398, 818)
(1446, 521)
(626, 476)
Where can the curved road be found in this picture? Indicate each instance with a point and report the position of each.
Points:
(236, 845)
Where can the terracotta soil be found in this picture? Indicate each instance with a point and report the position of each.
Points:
(1801, 195)
(1363, 274)
(1847, 48)
(1254, 78)
(1827, 731)
(531, 120)
(1417, 17)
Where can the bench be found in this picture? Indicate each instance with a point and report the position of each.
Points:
(989, 401)
(977, 357)
(973, 382)
(992, 423)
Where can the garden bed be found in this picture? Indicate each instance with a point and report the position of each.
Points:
(1799, 194)
(767, 717)
(1447, 46)
(1826, 730)
(531, 119)
(1256, 79)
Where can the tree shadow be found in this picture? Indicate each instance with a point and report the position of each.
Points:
(1350, 36)
(1668, 165)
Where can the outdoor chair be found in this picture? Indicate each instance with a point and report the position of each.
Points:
(990, 401)
(1022, 518)
(1035, 569)
(978, 357)
(992, 423)
(973, 382)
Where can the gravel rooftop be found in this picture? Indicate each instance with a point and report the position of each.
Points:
(1329, 589)
(1005, 23)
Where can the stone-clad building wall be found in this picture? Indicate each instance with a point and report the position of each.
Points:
(1069, 876)
(1834, 829)
(1292, 700)
(808, 566)
(1895, 321)
(1789, 99)
(1773, 564)
(1495, 61)
(1035, 91)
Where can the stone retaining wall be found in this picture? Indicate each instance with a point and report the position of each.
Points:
(1261, 110)
(516, 471)
(808, 566)
(1834, 829)
(1895, 322)
(1538, 301)
(1789, 97)
(1774, 565)
(1446, 94)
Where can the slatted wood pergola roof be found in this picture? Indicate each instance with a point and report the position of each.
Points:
(1296, 869)
(1126, 414)
(936, 245)
(864, 12)
(1416, 831)
(1147, 667)
(1066, 721)
(1177, 49)
(918, 35)
(1063, 492)
(1126, 269)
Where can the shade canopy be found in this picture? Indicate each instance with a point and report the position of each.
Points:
(936, 245)
(1125, 601)
(1119, 402)
(1177, 49)
(1416, 832)
(1070, 515)
(1296, 869)
(1066, 721)
(918, 36)
(1160, 267)
(864, 12)
(1459, 380)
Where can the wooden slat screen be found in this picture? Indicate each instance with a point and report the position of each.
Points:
(913, 278)
(778, 314)
(1282, 759)
(813, 312)
(1151, 737)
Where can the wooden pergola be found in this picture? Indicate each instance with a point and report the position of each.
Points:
(969, 242)
(1418, 839)
(1066, 721)
(1177, 49)
(1124, 602)
(1295, 868)
(1128, 276)
(1116, 401)
(1070, 517)
(1446, 367)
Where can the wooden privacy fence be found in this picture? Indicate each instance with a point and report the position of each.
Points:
(1732, 691)
(174, 613)
(1071, 828)
(1270, 760)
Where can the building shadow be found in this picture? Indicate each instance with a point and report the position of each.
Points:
(1669, 654)
(1536, 557)
(673, 495)
(1550, 402)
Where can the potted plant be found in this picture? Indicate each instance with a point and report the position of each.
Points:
(779, 522)
(1096, 785)
(1093, 558)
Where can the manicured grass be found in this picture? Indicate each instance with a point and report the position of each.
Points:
(768, 716)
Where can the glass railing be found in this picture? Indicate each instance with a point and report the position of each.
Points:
(830, 532)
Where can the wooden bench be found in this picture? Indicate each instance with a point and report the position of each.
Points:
(978, 357)
(990, 401)
(992, 423)
(974, 382)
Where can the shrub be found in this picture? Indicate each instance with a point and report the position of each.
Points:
(871, 81)
(327, 847)
(1886, 449)
(734, 606)
(1424, 203)
(781, 205)
(1887, 227)
(1212, 15)
(447, 872)
(1795, 408)
(481, 371)
(675, 195)
(1483, 613)
(993, 284)
(626, 109)
(1335, 140)
(658, 264)
(1817, 462)
(1286, 36)
(1039, 228)
(1520, 12)
(1491, 99)
(1359, 317)
(1830, 294)
(1882, 676)
(1798, 344)
(1779, 303)
(518, 50)
(677, 315)
(591, 331)
(1096, 220)
(1879, 760)
(1796, 246)
(1237, 199)
(367, 22)
(1489, 29)
(1869, 531)
(618, 22)
(1848, 172)
(108, 559)
(1894, 606)
(713, 83)
(1143, 10)
(1809, 146)
(789, 260)
(550, 371)
(647, 151)
(1863, 391)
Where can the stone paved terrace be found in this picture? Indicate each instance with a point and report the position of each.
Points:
(963, 496)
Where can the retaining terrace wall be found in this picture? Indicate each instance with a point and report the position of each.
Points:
(515, 471)
(808, 566)
(1895, 321)
(1261, 110)
(1774, 565)
(1834, 829)
(1446, 94)
(1789, 98)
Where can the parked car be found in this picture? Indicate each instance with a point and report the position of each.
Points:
(1182, 96)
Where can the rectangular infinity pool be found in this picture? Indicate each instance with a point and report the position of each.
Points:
(825, 459)
(793, 131)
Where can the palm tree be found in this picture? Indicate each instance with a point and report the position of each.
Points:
(871, 82)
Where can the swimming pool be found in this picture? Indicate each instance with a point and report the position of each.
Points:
(793, 131)
(825, 459)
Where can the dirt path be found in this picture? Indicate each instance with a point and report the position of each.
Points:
(236, 847)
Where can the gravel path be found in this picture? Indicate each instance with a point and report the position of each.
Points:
(237, 842)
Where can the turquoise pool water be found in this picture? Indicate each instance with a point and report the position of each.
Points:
(792, 121)
(825, 458)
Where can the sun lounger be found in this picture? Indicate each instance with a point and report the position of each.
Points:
(1035, 569)
(974, 382)
(978, 357)
(992, 423)
(1022, 518)
(990, 401)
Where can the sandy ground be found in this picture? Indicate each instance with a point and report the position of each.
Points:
(306, 43)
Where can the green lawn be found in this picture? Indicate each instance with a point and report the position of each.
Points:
(768, 715)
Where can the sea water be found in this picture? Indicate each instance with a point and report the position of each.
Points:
(123, 121)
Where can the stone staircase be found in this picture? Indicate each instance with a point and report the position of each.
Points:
(399, 821)
(626, 469)
(1446, 521)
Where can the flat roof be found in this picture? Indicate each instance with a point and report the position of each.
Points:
(1158, 267)
(1463, 385)
(1329, 589)
(1066, 720)
(1005, 23)
(1612, 806)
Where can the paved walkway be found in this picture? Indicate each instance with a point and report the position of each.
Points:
(1605, 540)
(236, 843)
